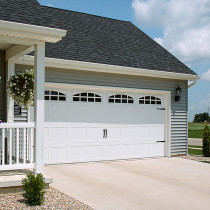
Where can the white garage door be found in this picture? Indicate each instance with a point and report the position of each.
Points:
(89, 125)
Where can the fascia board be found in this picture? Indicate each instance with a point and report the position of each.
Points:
(105, 68)
(31, 31)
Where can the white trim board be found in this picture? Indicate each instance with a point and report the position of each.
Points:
(166, 94)
(105, 68)
(33, 32)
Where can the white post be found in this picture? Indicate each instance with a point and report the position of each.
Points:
(10, 101)
(39, 80)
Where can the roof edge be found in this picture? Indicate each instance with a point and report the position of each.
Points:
(106, 68)
(35, 32)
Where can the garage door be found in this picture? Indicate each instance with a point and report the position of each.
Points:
(90, 125)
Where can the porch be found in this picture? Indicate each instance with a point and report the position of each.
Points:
(21, 144)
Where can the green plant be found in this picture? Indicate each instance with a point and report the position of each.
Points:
(21, 88)
(34, 185)
(206, 141)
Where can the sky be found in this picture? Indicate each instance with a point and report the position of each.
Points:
(180, 26)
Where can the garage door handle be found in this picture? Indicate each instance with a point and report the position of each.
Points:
(160, 108)
(160, 141)
(104, 133)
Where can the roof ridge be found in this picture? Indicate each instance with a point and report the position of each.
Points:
(85, 13)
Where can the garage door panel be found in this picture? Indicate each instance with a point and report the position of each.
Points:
(77, 154)
(142, 150)
(128, 151)
(94, 153)
(112, 152)
(58, 134)
(78, 133)
(58, 154)
(157, 132)
(128, 132)
(114, 132)
(94, 133)
(157, 149)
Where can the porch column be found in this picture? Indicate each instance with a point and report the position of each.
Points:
(39, 80)
(10, 101)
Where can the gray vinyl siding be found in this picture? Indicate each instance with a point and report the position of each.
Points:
(178, 109)
(2, 86)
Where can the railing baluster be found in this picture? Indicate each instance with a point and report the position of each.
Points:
(3, 146)
(31, 144)
(17, 145)
(24, 145)
(10, 146)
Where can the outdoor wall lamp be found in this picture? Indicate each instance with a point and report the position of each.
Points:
(178, 94)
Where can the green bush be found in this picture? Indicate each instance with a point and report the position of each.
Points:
(34, 185)
(206, 141)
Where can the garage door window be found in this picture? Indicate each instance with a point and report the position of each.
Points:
(119, 98)
(150, 100)
(87, 97)
(51, 95)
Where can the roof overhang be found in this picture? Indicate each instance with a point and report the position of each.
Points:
(105, 68)
(34, 33)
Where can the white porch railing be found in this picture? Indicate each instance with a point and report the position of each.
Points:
(16, 146)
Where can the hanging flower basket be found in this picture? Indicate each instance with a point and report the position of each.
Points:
(21, 88)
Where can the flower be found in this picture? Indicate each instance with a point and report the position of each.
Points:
(0, 121)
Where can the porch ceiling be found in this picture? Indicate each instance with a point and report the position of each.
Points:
(4, 46)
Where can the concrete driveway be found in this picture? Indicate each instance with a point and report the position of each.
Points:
(195, 142)
(162, 183)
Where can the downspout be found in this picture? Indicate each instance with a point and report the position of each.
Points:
(189, 86)
(193, 83)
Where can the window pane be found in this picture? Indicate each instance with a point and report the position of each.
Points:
(130, 97)
(54, 98)
(111, 97)
(99, 100)
(141, 101)
(118, 96)
(91, 94)
(152, 102)
(83, 94)
(130, 101)
(47, 92)
(153, 98)
(124, 101)
(117, 100)
(147, 102)
(61, 94)
(54, 93)
(158, 102)
(124, 96)
(47, 98)
(147, 97)
(111, 100)
(62, 98)
(90, 99)
(76, 99)
(83, 99)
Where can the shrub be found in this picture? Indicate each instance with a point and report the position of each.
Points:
(206, 141)
(34, 185)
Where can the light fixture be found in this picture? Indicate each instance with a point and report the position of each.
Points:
(178, 94)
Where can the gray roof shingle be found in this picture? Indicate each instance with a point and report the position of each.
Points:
(94, 39)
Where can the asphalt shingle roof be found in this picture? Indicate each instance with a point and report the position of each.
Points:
(94, 39)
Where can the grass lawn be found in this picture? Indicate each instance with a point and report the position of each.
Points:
(195, 152)
(195, 134)
(195, 130)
